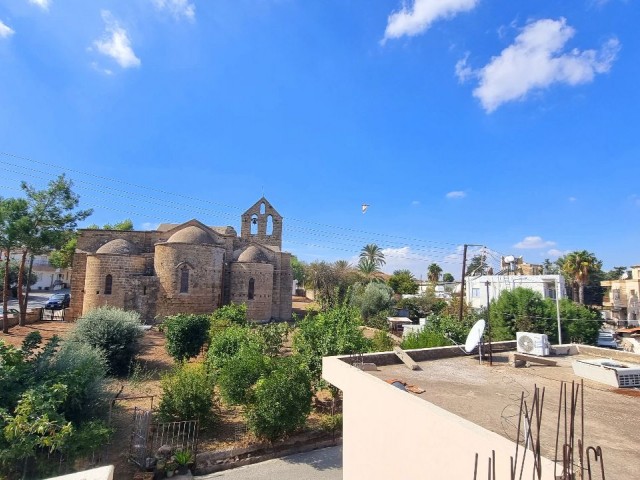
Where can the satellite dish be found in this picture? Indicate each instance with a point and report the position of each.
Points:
(474, 337)
(509, 259)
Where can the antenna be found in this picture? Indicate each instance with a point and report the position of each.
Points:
(474, 338)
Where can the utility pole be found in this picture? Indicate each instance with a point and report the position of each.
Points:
(558, 309)
(464, 267)
(487, 283)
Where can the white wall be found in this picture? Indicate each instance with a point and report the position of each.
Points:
(391, 434)
(476, 289)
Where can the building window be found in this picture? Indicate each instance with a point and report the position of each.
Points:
(108, 283)
(184, 280)
(475, 292)
(254, 224)
(269, 225)
(252, 284)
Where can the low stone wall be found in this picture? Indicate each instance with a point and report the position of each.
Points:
(609, 353)
(33, 316)
(217, 461)
(424, 354)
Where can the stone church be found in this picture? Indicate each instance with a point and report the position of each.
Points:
(186, 268)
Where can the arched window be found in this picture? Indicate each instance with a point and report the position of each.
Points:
(254, 224)
(252, 285)
(184, 279)
(269, 225)
(262, 208)
(108, 284)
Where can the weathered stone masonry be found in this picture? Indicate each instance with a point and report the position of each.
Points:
(187, 268)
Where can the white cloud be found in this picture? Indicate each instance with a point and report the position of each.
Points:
(456, 194)
(419, 17)
(115, 43)
(572, 199)
(463, 71)
(43, 4)
(5, 30)
(555, 253)
(535, 61)
(177, 8)
(415, 203)
(534, 242)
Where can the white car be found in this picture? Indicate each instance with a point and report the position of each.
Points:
(606, 339)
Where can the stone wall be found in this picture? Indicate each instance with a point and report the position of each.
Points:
(260, 307)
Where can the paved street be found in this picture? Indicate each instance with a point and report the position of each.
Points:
(323, 464)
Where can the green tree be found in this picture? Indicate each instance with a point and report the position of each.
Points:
(331, 332)
(14, 269)
(368, 269)
(298, 270)
(330, 281)
(187, 394)
(290, 383)
(579, 324)
(372, 299)
(520, 310)
(186, 334)
(123, 226)
(448, 278)
(14, 221)
(578, 266)
(52, 214)
(373, 253)
(63, 256)
(615, 273)
(403, 282)
(550, 268)
(477, 265)
(433, 272)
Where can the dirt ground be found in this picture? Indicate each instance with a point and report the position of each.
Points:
(142, 390)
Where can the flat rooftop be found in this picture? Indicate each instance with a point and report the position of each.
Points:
(490, 397)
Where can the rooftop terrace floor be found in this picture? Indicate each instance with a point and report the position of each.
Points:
(490, 397)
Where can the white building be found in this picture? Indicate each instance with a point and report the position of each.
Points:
(49, 278)
(549, 286)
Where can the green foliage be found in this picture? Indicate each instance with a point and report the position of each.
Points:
(440, 331)
(330, 281)
(371, 299)
(113, 331)
(282, 400)
(186, 335)
(240, 372)
(477, 265)
(272, 336)
(123, 226)
(82, 369)
(233, 313)
(14, 268)
(403, 282)
(187, 394)
(63, 257)
(331, 423)
(447, 277)
(433, 272)
(381, 342)
(421, 306)
(333, 332)
(298, 270)
(226, 345)
(183, 457)
(520, 310)
(579, 324)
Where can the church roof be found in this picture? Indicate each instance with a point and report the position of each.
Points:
(191, 234)
(253, 254)
(119, 246)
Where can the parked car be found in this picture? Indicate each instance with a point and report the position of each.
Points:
(607, 340)
(10, 311)
(58, 301)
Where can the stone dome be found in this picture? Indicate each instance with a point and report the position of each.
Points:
(253, 254)
(191, 234)
(119, 246)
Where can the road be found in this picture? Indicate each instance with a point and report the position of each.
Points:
(323, 464)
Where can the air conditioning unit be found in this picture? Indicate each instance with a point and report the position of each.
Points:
(533, 343)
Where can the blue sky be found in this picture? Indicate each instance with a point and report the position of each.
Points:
(507, 124)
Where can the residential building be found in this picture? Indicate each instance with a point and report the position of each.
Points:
(186, 268)
(48, 277)
(549, 286)
(620, 303)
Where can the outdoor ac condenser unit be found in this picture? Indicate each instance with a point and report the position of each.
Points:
(533, 343)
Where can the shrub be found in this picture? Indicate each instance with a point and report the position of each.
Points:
(273, 336)
(332, 332)
(226, 344)
(115, 332)
(372, 299)
(233, 313)
(282, 400)
(82, 369)
(186, 335)
(187, 394)
(240, 373)
(381, 342)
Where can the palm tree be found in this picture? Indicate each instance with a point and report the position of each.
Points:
(433, 273)
(368, 268)
(372, 253)
(578, 266)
